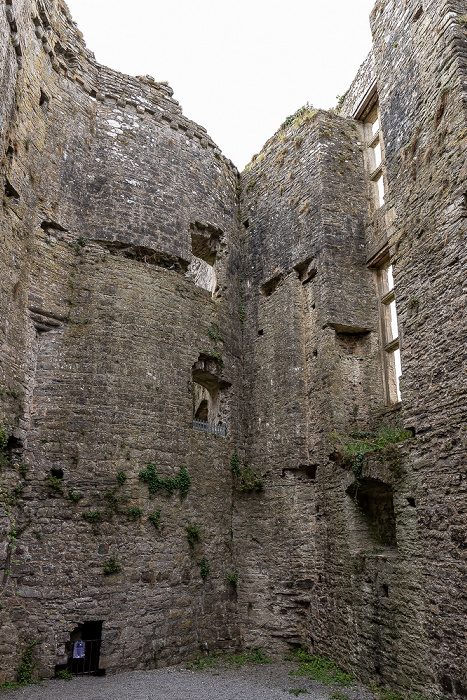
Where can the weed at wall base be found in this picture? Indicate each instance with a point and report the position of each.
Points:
(26, 667)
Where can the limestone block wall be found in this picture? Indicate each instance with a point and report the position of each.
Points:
(374, 602)
(311, 346)
(108, 195)
(420, 56)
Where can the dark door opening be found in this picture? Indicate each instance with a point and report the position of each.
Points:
(83, 650)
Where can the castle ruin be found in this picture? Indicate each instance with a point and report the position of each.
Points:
(233, 407)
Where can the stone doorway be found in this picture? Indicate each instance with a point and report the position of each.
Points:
(83, 650)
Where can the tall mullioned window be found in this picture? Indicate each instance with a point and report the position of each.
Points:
(374, 156)
(389, 329)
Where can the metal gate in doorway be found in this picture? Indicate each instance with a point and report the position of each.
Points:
(85, 659)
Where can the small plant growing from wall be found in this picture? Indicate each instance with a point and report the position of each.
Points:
(134, 513)
(121, 478)
(93, 517)
(111, 566)
(214, 333)
(74, 497)
(204, 568)
(303, 114)
(113, 501)
(155, 518)
(3, 437)
(156, 483)
(365, 441)
(4, 460)
(54, 484)
(24, 676)
(193, 534)
(235, 464)
(78, 245)
(16, 494)
(232, 579)
(244, 477)
(354, 446)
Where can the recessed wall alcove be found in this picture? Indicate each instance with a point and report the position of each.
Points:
(372, 518)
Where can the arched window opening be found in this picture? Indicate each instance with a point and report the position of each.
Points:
(209, 396)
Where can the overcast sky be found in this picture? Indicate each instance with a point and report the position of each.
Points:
(237, 68)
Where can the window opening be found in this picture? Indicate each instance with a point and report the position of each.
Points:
(52, 225)
(10, 191)
(202, 412)
(380, 189)
(205, 245)
(306, 270)
(374, 121)
(271, 285)
(43, 99)
(384, 280)
(209, 396)
(377, 154)
(374, 157)
(142, 254)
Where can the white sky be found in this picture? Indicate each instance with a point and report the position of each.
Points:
(237, 68)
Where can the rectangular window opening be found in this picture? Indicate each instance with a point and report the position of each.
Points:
(205, 243)
(380, 190)
(377, 154)
(389, 330)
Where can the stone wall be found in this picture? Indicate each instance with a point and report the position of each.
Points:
(105, 200)
(421, 50)
(368, 585)
(313, 369)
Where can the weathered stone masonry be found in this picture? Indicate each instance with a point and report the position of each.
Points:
(143, 283)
